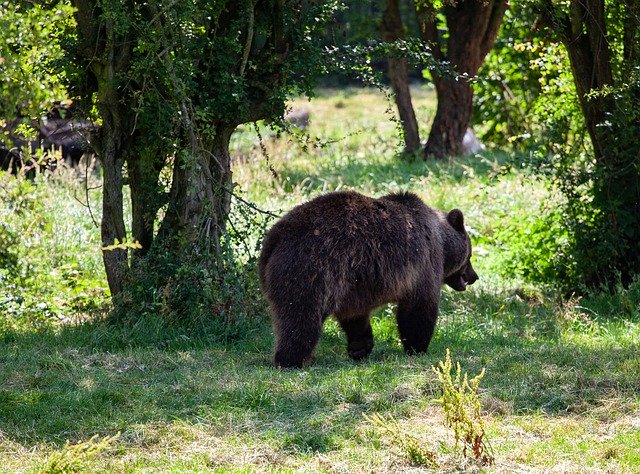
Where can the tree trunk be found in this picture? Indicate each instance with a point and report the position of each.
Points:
(586, 43)
(114, 145)
(112, 225)
(453, 116)
(392, 30)
(146, 198)
(473, 26)
(200, 199)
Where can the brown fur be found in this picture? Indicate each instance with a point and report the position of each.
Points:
(345, 254)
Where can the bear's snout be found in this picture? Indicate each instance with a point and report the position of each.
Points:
(462, 278)
(470, 275)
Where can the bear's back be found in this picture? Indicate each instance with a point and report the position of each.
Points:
(347, 246)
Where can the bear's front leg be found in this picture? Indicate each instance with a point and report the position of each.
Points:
(359, 335)
(416, 318)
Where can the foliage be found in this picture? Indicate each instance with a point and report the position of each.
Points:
(8, 257)
(357, 25)
(188, 29)
(47, 270)
(461, 407)
(74, 457)
(605, 197)
(536, 246)
(525, 97)
(216, 301)
(32, 36)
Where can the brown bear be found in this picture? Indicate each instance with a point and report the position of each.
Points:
(345, 254)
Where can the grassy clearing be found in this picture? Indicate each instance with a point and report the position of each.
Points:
(562, 375)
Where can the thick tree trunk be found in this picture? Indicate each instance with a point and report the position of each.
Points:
(112, 225)
(199, 199)
(392, 29)
(586, 43)
(473, 26)
(453, 116)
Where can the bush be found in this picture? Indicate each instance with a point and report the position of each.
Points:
(536, 247)
(205, 301)
(47, 261)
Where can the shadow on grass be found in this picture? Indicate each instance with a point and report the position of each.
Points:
(96, 378)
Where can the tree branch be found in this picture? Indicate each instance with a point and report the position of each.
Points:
(249, 40)
(427, 21)
(630, 24)
(498, 8)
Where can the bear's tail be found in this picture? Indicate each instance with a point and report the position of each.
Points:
(268, 246)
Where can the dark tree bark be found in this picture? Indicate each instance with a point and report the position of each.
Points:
(611, 241)
(112, 226)
(473, 26)
(200, 198)
(584, 36)
(392, 29)
(107, 55)
(144, 170)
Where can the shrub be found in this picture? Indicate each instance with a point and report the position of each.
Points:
(75, 457)
(536, 247)
(202, 299)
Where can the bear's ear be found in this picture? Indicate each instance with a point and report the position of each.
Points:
(456, 219)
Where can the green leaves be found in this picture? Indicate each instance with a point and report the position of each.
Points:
(32, 36)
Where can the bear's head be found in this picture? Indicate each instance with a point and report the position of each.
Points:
(462, 273)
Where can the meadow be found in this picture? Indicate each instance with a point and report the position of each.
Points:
(561, 391)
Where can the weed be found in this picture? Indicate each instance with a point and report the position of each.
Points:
(461, 407)
(74, 457)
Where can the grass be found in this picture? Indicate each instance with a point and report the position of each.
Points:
(562, 375)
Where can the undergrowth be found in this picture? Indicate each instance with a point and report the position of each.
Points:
(76, 457)
(50, 270)
(415, 449)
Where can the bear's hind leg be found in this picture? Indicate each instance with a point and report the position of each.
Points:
(417, 318)
(359, 335)
(297, 336)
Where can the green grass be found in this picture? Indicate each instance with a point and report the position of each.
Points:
(562, 375)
